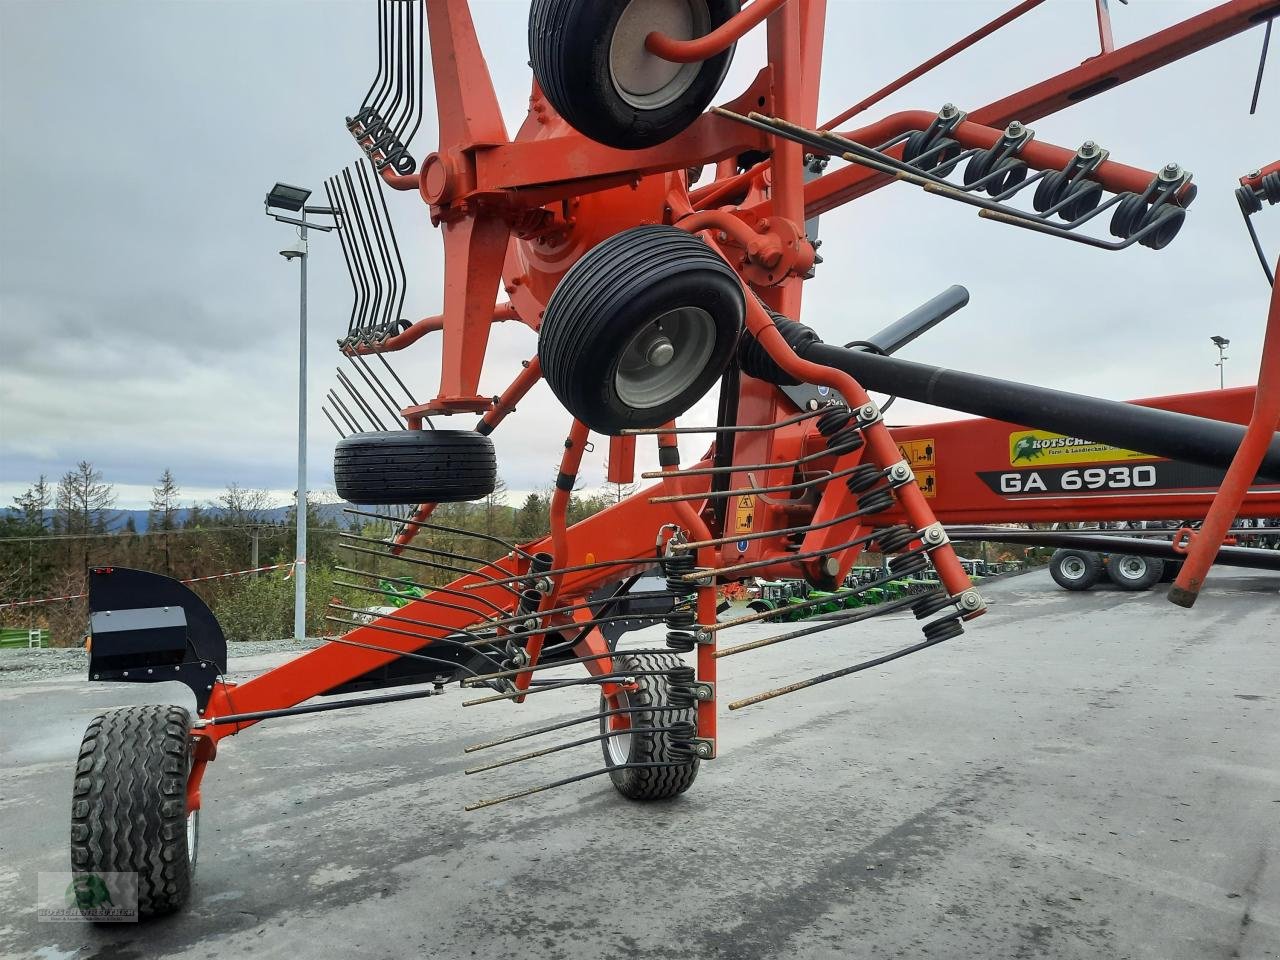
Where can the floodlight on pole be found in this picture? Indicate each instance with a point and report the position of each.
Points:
(294, 199)
(1221, 343)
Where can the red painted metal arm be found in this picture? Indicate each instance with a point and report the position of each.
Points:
(960, 45)
(501, 313)
(717, 41)
(1235, 486)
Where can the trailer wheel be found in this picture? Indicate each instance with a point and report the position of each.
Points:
(640, 328)
(1134, 573)
(636, 741)
(129, 805)
(1075, 569)
(590, 60)
(414, 466)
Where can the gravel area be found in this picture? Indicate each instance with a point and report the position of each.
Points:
(24, 666)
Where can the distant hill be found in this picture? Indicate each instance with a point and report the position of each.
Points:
(120, 518)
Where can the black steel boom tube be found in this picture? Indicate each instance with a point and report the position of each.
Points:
(1161, 433)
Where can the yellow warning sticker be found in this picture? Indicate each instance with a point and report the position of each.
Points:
(745, 515)
(1028, 447)
(918, 453)
(927, 481)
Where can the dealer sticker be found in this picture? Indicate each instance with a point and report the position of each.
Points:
(1038, 447)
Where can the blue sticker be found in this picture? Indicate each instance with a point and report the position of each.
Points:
(742, 546)
(823, 391)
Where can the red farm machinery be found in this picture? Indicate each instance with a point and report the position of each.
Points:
(658, 244)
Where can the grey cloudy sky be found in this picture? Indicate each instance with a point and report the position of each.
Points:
(148, 323)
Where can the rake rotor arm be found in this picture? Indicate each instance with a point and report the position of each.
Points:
(1092, 77)
(1162, 433)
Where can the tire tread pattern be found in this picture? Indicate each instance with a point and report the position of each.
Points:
(652, 783)
(128, 805)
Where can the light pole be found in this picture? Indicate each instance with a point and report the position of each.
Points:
(1221, 343)
(294, 199)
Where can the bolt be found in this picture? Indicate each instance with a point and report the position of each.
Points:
(1253, 174)
(830, 566)
(703, 750)
(1170, 168)
(948, 111)
(1014, 129)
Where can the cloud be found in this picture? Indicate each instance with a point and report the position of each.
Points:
(147, 321)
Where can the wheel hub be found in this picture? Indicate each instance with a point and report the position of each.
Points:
(1073, 568)
(642, 79)
(664, 357)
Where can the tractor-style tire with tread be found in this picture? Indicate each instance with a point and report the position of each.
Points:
(649, 783)
(1129, 572)
(414, 466)
(1076, 569)
(654, 284)
(129, 803)
(587, 55)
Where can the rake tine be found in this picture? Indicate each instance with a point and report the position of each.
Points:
(427, 600)
(451, 664)
(557, 748)
(748, 428)
(374, 304)
(344, 412)
(836, 674)
(562, 725)
(747, 491)
(597, 565)
(384, 317)
(329, 417)
(502, 674)
(414, 547)
(565, 684)
(346, 252)
(370, 383)
(442, 528)
(351, 222)
(807, 555)
(418, 561)
(391, 370)
(558, 783)
(868, 614)
(359, 400)
(766, 534)
(470, 644)
(425, 586)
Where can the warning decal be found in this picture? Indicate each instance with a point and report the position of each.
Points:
(745, 514)
(927, 480)
(918, 453)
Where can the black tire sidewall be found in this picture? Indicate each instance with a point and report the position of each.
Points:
(414, 466)
(569, 44)
(1152, 572)
(649, 783)
(600, 305)
(1093, 569)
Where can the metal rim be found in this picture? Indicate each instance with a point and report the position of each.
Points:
(618, 746)
(665, 357)
(641, 79)
(1073, 568)
(1131, 568)
(193, 837)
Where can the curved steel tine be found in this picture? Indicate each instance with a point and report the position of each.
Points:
(346, 253)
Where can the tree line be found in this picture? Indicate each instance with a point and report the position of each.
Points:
(56, 531)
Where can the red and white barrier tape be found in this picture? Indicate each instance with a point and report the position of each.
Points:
(216, 576)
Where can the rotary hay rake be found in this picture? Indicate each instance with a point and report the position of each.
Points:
(647, 290)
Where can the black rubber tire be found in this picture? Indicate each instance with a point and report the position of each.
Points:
(1092, 569)
(129, 803)
(1117, 571)
(650, 783)
(609, 296)
(414, 466)
(1170, 572)
(569, 47)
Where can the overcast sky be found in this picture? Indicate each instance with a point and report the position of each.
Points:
(149, 323)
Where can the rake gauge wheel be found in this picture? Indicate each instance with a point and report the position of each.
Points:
(640, 328)
(636, 738)
(589, 57)
(414, 466)
(129, 807)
